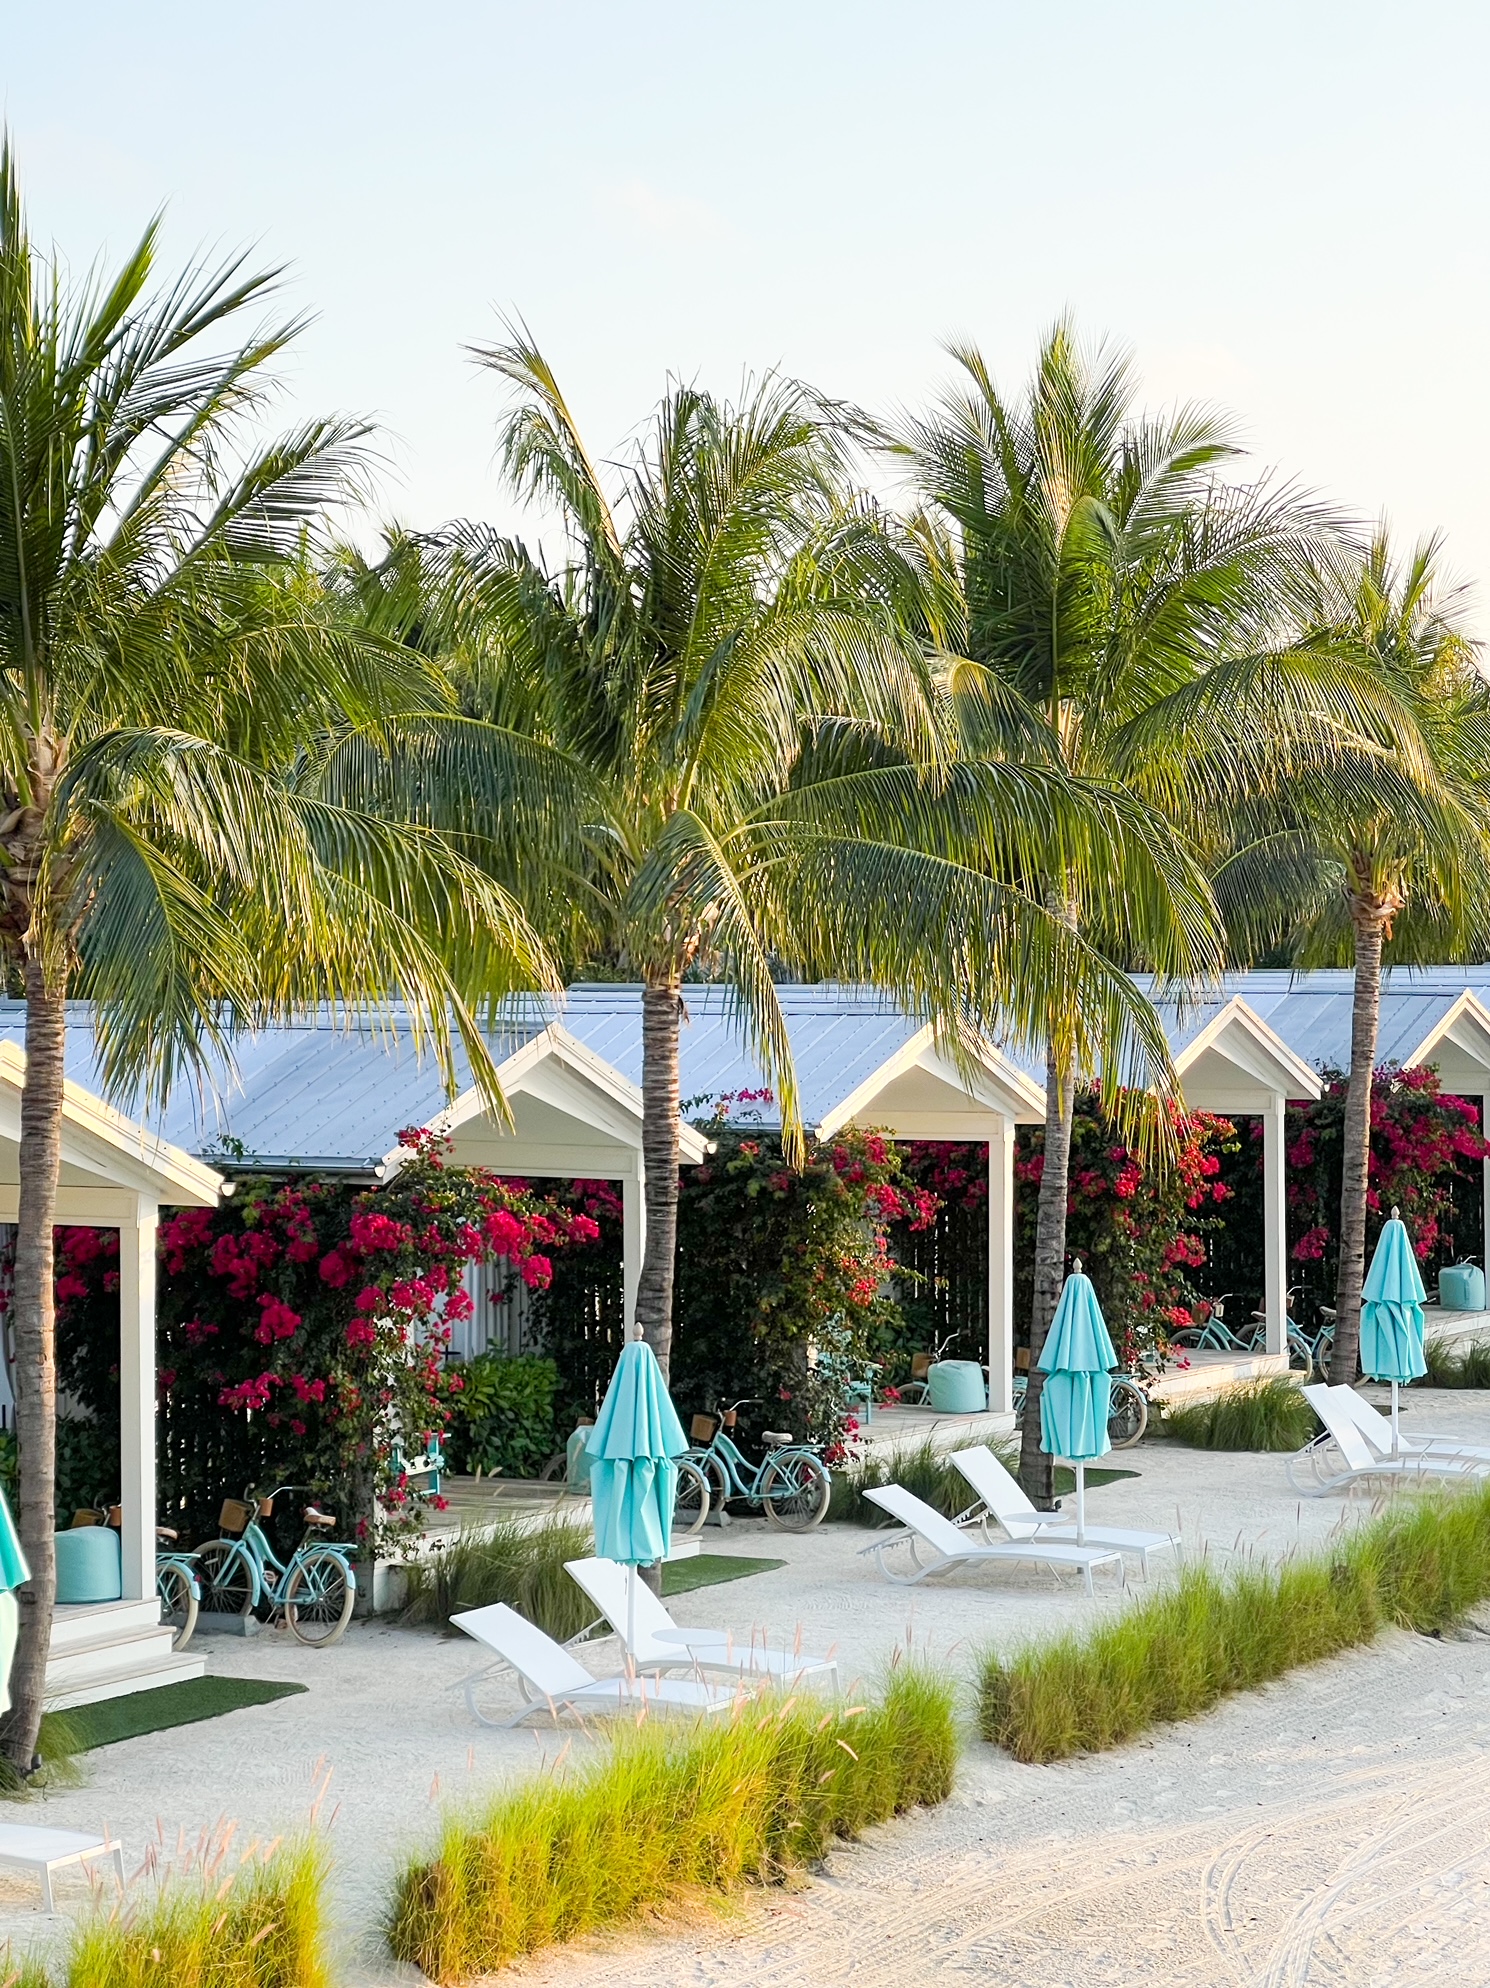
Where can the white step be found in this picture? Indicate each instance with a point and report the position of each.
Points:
(138, 1649)
(127, 1678)
(80, 1626)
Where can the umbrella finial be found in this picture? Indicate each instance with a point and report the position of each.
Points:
(1076, 1266)
(1396, 1213)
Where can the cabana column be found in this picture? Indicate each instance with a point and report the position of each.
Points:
(1275, 1224)
(137, 1386)
(633, 1239)
(1001, 1266)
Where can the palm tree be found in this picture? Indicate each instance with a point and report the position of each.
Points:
(712, 717)
(171, 677)
(1394, 859)
(1124, 615)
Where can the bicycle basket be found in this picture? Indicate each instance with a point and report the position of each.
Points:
(235, 1515)
(702, 1428)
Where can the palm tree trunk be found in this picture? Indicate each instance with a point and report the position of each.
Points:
(33, 1326)
(1036, 1469)
(661, 1020)
(1370, 929)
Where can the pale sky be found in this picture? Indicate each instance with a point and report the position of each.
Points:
(1280, 207)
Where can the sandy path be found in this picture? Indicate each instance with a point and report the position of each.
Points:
(1333, 1828)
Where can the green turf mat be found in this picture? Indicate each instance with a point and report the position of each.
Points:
(1065, 1480)
(88, 1726)
(680, 1577)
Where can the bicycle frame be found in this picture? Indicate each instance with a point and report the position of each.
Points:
(268, 1573)
(742, 1477)
(187, 1562)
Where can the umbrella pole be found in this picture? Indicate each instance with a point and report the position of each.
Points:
(1081, 1504)
(631, 1618)
(1394, 1418)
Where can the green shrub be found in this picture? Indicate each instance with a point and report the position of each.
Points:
(1269, 1414)
(261, 1926)
(1452, 1366)
(502, 1415)
(1175, 1654)
(505, 1560)
(668, 1811)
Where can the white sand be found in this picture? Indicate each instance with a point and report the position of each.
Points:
(1333, 1828)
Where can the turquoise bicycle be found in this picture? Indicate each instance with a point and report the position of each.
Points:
(790, 1484)
(313, 1590)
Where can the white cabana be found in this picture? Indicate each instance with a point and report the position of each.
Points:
(574, 1117)
(114, 1175)
(317, 1096)
(919, 1093)
(1230, 1061)
(1458, 1045)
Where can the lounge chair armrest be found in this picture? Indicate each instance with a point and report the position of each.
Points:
(703, 1639)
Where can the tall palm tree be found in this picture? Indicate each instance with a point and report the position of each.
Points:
(171, 678)
(1125, 609)
(717, 689)
(1380, 865)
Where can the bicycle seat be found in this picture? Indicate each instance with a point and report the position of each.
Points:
(166, 1532)
(775, 1439)
(314, 1518)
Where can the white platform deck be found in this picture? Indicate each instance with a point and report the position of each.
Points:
(1207, 1373)
(1456, 1329)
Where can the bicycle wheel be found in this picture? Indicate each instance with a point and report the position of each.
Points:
(556, 1470)
(692, 1501)
(1127, 1414)
(795, 1492)
(1300, 1355)
(318, 1596)
(226, 1577)
(178, 1602)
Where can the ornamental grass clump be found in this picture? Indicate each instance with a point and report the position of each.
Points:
(259, 1926)
(924, 1471)
(1419, 1566)
(1269, 1414)
(506, 1560)
(1451, 1366)
(669, 1813)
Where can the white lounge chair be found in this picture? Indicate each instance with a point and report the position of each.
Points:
(925, 1528)
(551, 1679)
(1003, 1498)
(46, 1850)
(658, 1644)
(1377, 1429)
(1341, 1457)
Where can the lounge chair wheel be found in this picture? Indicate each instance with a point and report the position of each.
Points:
(908, 1574)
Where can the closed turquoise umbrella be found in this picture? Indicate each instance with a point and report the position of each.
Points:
(1077, 1361)
(14, 1573)
(633, 1479)
(1392, 1314)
